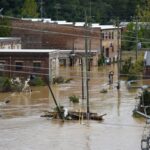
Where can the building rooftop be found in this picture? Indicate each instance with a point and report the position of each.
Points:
(106, 27)
(9, 38)
(28, 50)
(76, 24)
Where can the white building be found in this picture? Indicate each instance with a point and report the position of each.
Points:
(10, 43)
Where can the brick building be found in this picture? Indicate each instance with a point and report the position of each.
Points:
(64, 36)
(111, 42)
(39, 35)
(25, 62)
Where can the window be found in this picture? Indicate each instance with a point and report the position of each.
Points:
(109, 35)
(112, 35)
(36, 66)
(106, 35)
(19, 66)
(1, 66)
(103, 36)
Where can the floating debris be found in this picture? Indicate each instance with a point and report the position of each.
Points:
(104, 91)
(73, 115)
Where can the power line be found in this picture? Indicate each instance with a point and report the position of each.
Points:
(135, 38)
(51, 32)
(63, 25)
(64, 71)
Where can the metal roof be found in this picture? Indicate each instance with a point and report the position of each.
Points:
(9, 38)
(27, 50)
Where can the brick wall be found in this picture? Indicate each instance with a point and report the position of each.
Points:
(53, 36)
(27, 59)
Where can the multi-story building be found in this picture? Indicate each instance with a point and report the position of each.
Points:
(110, 42)
(65, 36)
(10, 43)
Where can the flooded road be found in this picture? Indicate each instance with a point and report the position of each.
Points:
(21, 127)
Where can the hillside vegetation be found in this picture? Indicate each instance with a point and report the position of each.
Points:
(102, 11)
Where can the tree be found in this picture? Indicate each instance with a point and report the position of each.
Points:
(29, 9)
(143, 13)
(5, 27)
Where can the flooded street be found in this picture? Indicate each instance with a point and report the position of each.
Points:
(22, 128)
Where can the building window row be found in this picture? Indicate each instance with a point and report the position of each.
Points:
(107, 35)
(19, 66)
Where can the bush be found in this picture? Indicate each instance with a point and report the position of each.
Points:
(5, 84)
(145, 98)
(126, 66)
(101, 60)
(58, 80)
(61, 79)
(74, 99)
(37, 81)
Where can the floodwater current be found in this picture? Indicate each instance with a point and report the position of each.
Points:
(22, 128)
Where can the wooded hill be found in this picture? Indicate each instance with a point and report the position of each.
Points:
(102, 11)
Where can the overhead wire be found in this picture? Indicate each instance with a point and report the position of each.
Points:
(44, 68)
(69, 34)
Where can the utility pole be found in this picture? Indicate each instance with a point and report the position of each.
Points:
(41, 9)
(101, 47)
(83, 95)
(41, 15)
(55, 101)
(118, 43)
(137, 39)
(86, 67)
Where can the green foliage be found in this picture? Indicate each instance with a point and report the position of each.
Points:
(5, 27)
(73, 10)
(61, 80)
(145, 98)
(37, 81)
(131, 69)
(129, 43)
(126, 66)
(101, 60)
(135, 69)
(143, 13)
(74, 99)
(103, 91)
(29, 9)
(58, 80)
(60, 107)
(5, 84)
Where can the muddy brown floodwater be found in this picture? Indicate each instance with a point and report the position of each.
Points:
(21, 127)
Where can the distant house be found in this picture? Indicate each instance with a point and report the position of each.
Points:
(147, 64)
(25, 62)
(10, 43)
